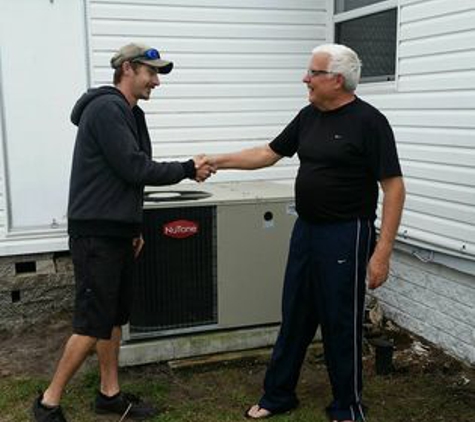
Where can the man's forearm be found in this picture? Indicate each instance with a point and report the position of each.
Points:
(393, 203)
(247, 159)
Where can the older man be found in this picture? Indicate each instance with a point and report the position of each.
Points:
(111, 164)
(346, 147)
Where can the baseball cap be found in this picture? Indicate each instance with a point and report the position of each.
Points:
(143, 54)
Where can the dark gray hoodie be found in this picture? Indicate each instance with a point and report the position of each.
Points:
(111, 164)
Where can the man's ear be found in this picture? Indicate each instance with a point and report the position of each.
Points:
(340, 79)
(127, 67)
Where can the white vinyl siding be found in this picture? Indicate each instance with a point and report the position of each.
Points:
(237, 76)
(433, 116)
(431, 107)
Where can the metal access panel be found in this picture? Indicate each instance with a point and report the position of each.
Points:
(175, 277)
(253, 244)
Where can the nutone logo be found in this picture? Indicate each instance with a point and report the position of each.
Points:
(180, 229)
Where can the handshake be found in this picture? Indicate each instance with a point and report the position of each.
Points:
(205, 166)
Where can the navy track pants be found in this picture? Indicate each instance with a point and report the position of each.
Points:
(324, 286)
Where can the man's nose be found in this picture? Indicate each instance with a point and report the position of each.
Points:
(156, 80)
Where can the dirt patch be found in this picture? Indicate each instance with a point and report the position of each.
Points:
(34, 350)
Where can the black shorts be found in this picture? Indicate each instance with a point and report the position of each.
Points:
(103, 268)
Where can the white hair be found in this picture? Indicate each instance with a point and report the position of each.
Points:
(343, 60)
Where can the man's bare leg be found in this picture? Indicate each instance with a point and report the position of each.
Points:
(75, 352)
(108, 355)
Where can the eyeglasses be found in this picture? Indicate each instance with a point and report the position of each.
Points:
(151, 54)
(314, 72)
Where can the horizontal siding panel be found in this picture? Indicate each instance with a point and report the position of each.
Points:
(106, 46)
(428, 135)
(231, 91)
(456, 41)
(450, 62)
(441, 155)
(192, 30)
(429, 240)
(187, 105)
(463, 176)
(151, 13)
(450, 229)
(424, 100)
(264, 133)
(436, 26)
(199, 120)
(433, 118)
(423, 10)
(440, 208)
(451, 193)
(248, 4)
(204, 76)
(438, 82)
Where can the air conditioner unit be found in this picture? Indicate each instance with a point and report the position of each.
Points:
(213, 258)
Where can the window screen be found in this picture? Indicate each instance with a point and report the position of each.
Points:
(373, 37)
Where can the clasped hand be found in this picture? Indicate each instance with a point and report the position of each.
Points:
(204, 167)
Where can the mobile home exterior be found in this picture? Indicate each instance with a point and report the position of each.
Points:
(236, 83)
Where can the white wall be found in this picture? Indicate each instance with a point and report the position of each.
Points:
(236, 83)
(238, 69)
(42, 71)
(432, 109)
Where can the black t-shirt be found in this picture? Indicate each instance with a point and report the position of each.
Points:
(343, 153)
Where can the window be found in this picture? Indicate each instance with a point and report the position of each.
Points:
(370, 28)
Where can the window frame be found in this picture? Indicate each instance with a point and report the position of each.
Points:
(377, 82)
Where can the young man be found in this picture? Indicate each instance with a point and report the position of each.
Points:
(111, 164)
(346, 147)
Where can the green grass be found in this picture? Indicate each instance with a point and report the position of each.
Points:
(222, 392)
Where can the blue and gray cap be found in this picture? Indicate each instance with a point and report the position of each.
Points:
(143, 54)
